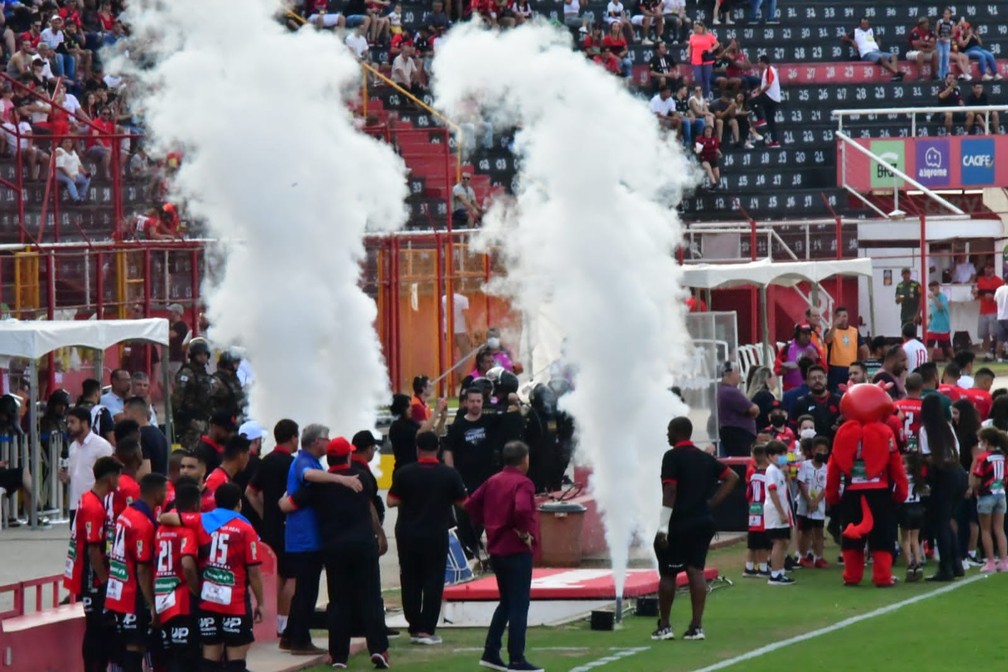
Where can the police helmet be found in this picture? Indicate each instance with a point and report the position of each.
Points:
(543, 399)
(505, 384)
(198, 346)
(560, 386)
(482, 385)
(228, 357)
(59, 397)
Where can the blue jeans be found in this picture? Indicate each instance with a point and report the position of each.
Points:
(691, 128)
(702, 76)
(985, 57)
(514, 583)
(626, 67)
(754, 8)
(944, 49)
(77, 188)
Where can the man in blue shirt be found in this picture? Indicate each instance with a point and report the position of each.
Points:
(939, 326)
(301, 538)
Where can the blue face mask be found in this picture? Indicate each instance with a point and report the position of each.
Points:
(782, 460)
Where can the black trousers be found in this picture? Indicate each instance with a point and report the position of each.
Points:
(422, 577)
(307, 570)
(352, 580)
(98, 648)
(735, 442)
(766, 108)
(946, 492)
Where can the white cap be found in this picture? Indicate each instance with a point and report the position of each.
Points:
(251, 430)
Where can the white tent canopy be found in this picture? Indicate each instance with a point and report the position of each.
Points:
(34, 339)
(765, 272)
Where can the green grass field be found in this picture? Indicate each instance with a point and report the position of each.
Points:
(960, 629)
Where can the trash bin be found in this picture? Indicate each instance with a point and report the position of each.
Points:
(560, 525)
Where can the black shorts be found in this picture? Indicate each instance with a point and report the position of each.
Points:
(180, 635)
(758, 541)
(777, 533)
(688, 544)
(910, 516)
(11, 480)
(93, 600)
(226, 629)
(134, 629)
(805, 523)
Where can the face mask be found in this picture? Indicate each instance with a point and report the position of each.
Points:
(493, 342)
(807, 434)
(777, 421)
(782, 460)
(819, 458)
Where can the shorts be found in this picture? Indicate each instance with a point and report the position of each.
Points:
(758, 541)
(134, 629)
(1003, 330)
(933, 340)
(179, 635)
(688, 544)
(355, 20)
(778, 533)
(805, 523)
(989, 504)
(912, 55)
(987, 326)
(226, 629)
(328, 20)
(93, 601)
(910, 516)
(876, 56)
(11, 480)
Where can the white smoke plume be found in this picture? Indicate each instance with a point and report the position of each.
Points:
(592, 233)
(275, 167)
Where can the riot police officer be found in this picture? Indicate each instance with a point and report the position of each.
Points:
(191, 397)
(228, 395)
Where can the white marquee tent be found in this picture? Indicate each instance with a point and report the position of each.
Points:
(33, 339)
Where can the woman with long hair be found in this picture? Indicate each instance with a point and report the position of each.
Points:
(967, 425)
(999, 413)
(939, 445)
(760, 390)
(987, 478)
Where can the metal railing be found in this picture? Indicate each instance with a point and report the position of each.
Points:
(912, 112)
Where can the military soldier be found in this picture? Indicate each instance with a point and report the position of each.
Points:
(191, 397)
(228, 395)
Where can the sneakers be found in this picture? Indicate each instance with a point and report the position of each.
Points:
(647, 42)
(695, 633)
(998, 77)
(989, 567)
(807, 563)
(749, 145)
(987, 77)
(820, 563)
(780, 580)
(525, 666)
(914, 574)
(425, 639)
(391, 633)
(971, 561)
(661, 633)
(759, 123)
(898, 77)
(338, 666)
(765, 573)
(308, 650)
(750, 573)
(790, 563)
(773, 144)
(381, 660)
(493, 662)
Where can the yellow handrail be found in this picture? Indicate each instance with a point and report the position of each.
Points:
(368, 68)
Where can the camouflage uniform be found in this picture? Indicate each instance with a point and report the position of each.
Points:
(228, 395)
(191, 402)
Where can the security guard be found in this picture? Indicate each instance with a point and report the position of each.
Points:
(191, 397)
(228, 395)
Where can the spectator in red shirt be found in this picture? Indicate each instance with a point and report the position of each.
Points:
(987, 325)
(708, 151)
(505, 506)
(100, 148)
(617, 46)
(34, 34)
(922, 46)
(71, 14)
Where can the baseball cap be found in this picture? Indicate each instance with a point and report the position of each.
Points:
(906, 269)
(804, 326)
(363, 440)
(251, 430)
(339, 447)
(223, 419)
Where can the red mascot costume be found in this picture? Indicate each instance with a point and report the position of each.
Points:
(865, 462)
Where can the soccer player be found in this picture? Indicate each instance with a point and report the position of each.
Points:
(130, 591)
(229, 555)
(177, 584)
(128, 453)
(234, 459)
(86, 566)
(777, 513)
(757, 543)
(909, 410)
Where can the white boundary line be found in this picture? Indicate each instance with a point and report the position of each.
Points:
(770, 648)
(618, 653)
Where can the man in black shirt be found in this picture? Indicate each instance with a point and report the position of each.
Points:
(664, 71)
(424, 492)
(473, 446)
(352, 540)
(268, 485)
(894, 365)
(211, 445)
(686, 526)
(978, 120)
(152, 440)
(950, 96)
(820, 403)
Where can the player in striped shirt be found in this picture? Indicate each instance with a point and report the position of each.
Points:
(758, 544)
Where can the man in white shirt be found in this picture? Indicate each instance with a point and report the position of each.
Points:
(85, 450)
(663, 106)
(114, 400)
(916, 352)
(465, 209)
(869, 50)
(358, 43)
(70, 172)
(766, 100)
(964, 272)
(404, 68)
(1001, 299)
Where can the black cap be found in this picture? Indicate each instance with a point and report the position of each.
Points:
(363, 440)
(225, 420)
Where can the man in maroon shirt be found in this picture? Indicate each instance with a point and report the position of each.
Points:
(505, 507)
